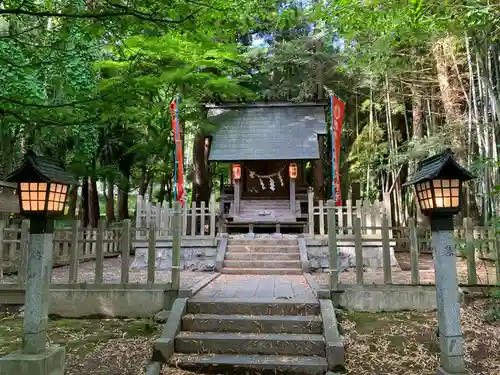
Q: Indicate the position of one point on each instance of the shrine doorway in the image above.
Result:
(266, 179)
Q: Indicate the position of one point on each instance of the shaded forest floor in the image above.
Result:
(383, 343)
(406, 343)
(93, 346)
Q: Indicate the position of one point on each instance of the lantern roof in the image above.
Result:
(440, 165)
(36, 168)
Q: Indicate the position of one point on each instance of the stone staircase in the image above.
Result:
(253, 336)
(262, 257)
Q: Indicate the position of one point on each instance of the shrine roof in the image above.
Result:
(266, 131)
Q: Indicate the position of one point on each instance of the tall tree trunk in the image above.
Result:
(94, 211)
(450, 94)
(110, 200)
(201, 182)
(417, 134)
(163, 192)
(144, 181)
(84, 214)
(73, 200)
(319, 176)
(124, 191)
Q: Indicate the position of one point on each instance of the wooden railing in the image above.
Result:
(90, 244)
(201, 220)
(196, 220)
(477, 247)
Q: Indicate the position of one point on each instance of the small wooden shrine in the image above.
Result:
(269, 146)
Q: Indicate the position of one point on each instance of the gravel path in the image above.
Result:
(112, 274)
(485, 272)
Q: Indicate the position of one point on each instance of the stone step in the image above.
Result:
(267, 264)
(262, 271)
(258, 306)
(265, 203)
(262, 248)
(261, 242)
(250, 364)
(252, 323)
(250, 343)
(261, 256)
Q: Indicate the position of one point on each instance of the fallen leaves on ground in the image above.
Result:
(406, 343)
(381, 343)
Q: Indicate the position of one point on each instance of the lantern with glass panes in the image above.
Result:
(438, 184)
(292, 170)
(236, 172)
(42, 185)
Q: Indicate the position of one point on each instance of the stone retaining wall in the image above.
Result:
(317, 253)
(192, 258)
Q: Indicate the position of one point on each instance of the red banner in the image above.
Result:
(178, 153)
(338, 117)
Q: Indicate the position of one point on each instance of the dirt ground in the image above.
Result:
(93, 346)
(381, 344)
(406, 343)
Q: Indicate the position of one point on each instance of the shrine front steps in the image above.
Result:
(228, 335)
(262, 257)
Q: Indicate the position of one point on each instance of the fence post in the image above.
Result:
(387, 208)
(202, 218)
(332, 246)
(212, 215)
(414, 256)
(73, 257)
(126, 243)
(184, 220)
(193, 218)
(321, 210)
(138, 211)
(470, 251)
(99, 251)
(176, 246)
(310, 211)
(166, 219)
(23, 252)
(386, 250)
(151, 254)
(358, 250)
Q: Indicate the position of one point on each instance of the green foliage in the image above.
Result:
(368, 155)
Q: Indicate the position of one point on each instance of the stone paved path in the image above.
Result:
(279, 287)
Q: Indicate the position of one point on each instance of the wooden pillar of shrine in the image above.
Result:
(319, 172)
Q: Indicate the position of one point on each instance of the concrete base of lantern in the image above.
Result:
(442, 371)
(49, 362)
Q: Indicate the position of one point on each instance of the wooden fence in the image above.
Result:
(196, 221)
(202, 220)
(478, 248)
(478, 251)
(370, 214)
(92, 244)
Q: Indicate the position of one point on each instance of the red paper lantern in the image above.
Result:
(292, 170)
(236, 171)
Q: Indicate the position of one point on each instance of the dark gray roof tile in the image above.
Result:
(266, 133)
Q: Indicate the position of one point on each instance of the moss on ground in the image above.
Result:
(96, 346)
(406, 342)
(382, 343)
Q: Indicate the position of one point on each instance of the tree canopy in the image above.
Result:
(90, 82)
